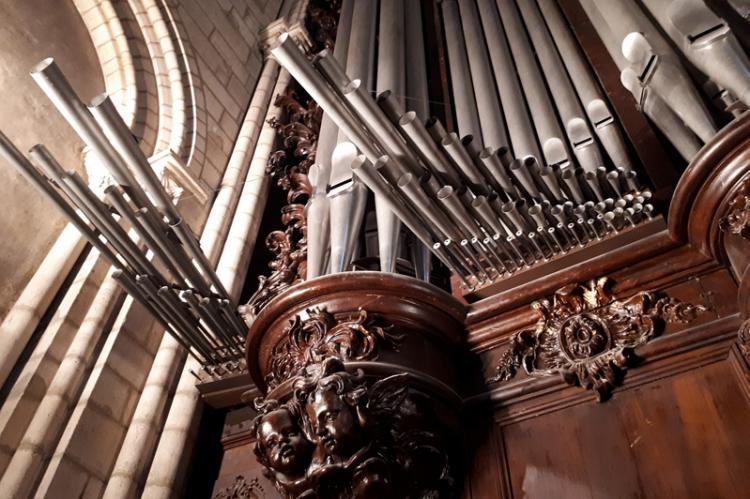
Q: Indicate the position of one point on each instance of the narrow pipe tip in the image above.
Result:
(352, 86)
(384, 95)
(381, 161)
(485, 153)
(445, 192)
(279, 41)
(535, 210)
(467, 139)
(449, 139)
(478, 201)
(405, 179)
(42, 65)
(407, 118)
(358, 162)
(99, 100)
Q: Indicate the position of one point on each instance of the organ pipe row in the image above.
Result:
(189, 300)
(484, 213)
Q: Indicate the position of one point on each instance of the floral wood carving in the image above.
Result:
(289, 165)
(339, 437)
(737, 219)
(309, 341)
(242, 489)
(587, 336)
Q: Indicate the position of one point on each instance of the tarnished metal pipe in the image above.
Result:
(476, 181)
(496, 170)
(569, 177)
(521, 171)
(493, 131)
(464, 100)
(435, 160)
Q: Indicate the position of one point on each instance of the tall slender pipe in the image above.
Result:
(517, 118)
(417, 93)
(591, 96)
(494, 133)
(464, 101)
(540, 105)
(580, 135)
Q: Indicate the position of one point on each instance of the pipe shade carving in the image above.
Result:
(737, 219)
(587, 337)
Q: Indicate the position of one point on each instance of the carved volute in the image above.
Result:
(361, 400)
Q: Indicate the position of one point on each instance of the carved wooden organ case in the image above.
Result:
(620, 369)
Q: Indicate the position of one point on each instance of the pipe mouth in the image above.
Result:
(405, 179)
(444, 192)
(358, 162)
(467, 139)
(529, 161)
(42, 65)
(613, 175)
(589, 175)
(279, 41)
(478, 201)
(556, 210)
(535, 210)
(99, 99)
(384, 95)
(381, 161)
(450, 139)
(352, 86)
(516, 164)
(406, 118)
(485, 153)
(546, 171)
(321, 55)
(567, 174)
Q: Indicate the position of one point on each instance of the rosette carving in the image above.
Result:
(309, 341)
(587, 337)
(242, 489)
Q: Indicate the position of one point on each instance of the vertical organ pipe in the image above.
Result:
(571, 113)
(463, 94)
(417, 93)
(542, 111)
(520, 127)
(600, 116)
(493, 132)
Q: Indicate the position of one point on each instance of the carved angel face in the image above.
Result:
(334, 422)
(285, 447)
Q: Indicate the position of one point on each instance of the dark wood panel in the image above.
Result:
(685, 436)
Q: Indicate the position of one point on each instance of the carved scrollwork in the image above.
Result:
(242, 489)
(339, 437)
(587, 337)
(308, 341)
(743, 339)
(737, 219)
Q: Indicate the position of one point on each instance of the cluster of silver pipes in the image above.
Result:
(483, 213)
(484, 203)
(659, 62)
(193, 306)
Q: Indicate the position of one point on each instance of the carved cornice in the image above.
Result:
(340, 437)
(308, 341)
(587, 337)
(737, 219)
(242, 489)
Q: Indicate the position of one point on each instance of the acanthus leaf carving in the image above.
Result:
(320, 335)
(587, 337)
(339, 437)
(737, 219)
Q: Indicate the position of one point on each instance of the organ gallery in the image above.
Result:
(375, 248)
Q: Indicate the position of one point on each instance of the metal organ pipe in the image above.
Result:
(578, 132)
(464, 101)
(417, 93)
(517, 118)
(583, 80)
(542, 110)
(493, 132)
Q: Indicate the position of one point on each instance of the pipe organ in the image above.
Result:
(537, 165)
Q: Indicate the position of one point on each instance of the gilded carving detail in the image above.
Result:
(320, 335)
(340, 437)
(743, 339)
(737, 219)
(587, 336)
